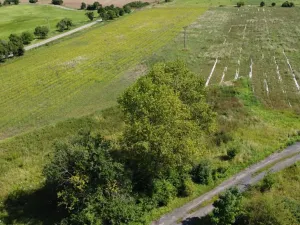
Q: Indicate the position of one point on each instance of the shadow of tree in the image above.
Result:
(197, 221)
(35, 207)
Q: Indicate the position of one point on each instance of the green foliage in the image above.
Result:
(163, 192)
(57, 2)
(41, 32)
(288, 4)
(240, 4)
(33, 1)
(90, 15)
(262, 4)
(273, 4)
(232, 151)
(27, 37)
(92, 186)
(267, 183)
(227, 207)
(202, 173)
(4, 50)
(222, 137)
(166, 114)
(64, 24)
(111, 14)
(127, 9)
(137, 4)
(16, 46)
(83, 5)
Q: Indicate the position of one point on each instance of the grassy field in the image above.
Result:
(227, 43)
(20, 18)
(54, 83)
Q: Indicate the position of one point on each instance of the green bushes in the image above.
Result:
(267, 183)
(15, 46)
(273, 4)
(288, 4)
(33, 1)
(83, 6)
(27, 37)
(137, 4)
(41, 32)
(202, 173)
(90, 15)
(232, 152)
(111, 12)
(64, 24)
(240, 4)
(262, 4)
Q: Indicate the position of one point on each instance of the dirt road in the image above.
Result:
(29, 47)
(242, 180)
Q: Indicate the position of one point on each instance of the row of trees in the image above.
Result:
(9, 2)
(115, 182)
(15, 46)
(262, 4)
(108, 12)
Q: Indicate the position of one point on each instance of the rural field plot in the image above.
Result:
(262, 44)
(72, 78)
(19, 18)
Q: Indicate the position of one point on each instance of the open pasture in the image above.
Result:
(20, 18)
(77, 76)
(262, 44)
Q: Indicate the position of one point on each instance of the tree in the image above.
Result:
(104, 15)
(202, 173)
(16, 2)
(33, 1)
(166, 114)
(273, 4)
(57, 2)
(127, 9)
(240, 4)
(227, 207)
(121, 12)
(262, 4)
(89, 183)
(16, 46)
(64, 24)
(4, 51)
(111, 14)
(90, 15)
(41, 32)
(27, 37)
(83, 6)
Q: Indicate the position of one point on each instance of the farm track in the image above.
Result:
(242, 180)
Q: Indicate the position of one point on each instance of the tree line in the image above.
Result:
(9, 2)
(262, 4)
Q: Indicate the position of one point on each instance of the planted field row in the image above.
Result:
(53, 83)
(259, 43)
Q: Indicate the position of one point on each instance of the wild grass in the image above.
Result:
(21, 18)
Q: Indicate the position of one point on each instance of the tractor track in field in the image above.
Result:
(251, 175)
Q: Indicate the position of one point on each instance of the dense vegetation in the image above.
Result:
(167, 117)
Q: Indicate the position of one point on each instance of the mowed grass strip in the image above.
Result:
(54, 83)
(19, 18)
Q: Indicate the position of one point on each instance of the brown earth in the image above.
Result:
(76, 3)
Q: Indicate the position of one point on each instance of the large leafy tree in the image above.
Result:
(167, 115)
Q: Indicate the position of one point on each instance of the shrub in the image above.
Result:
(111, 14)
(83, 6)
(90, 15)
(127, 9)
(267, 182)
(168, 0)
(288, 4)
(27, 37)
(240, 4)
(121, 12)
(57, 2)
(232, 152)
(137, 4)
(163, 192)
(15, 45)
(273, 4)
(187, 188)
(41, 31)
(262, 4)
(222, 137)
(4, 50)
(202, 173)
(33, 1)
(64, 24)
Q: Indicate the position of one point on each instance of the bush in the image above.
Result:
(240, 4)
(64, 24)
(33, 1)
(288, 4)
(163, 192)
(41, 31)
(267, 183)
(137, 4)
(57, 2)
(202, 173)
(27, 38)
(90, 15)
(187, 188)
(222, 137)
(111, 14)
(83, 6)
(127, 9)
(15, 45)
(262, 4)
(273, 4)
(232, 152)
